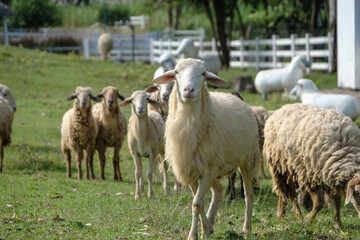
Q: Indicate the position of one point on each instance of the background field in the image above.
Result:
(37, 201)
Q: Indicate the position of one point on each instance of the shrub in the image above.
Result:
(33, 14)
(113, 14)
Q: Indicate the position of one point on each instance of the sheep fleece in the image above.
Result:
(312, 147)
(6, 119)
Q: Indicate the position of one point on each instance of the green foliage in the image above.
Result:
(110, 14)
(74, 16)
(33, 14)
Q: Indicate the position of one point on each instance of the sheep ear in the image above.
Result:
(154, 102)
(72, 97)
(126, 102)
(349, 194)
(96, 99)
(100, 95)
(152, 89)
(213, 79)
(120, 96)
(166, 77)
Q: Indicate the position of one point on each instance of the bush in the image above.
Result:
(33, 14)
(113, 14)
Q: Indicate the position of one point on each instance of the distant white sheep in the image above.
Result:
(310, 95)
(145, 139)
(112, 128)
(79, 130)
(6, 93)
(105, 45)
(208, 135)
(187, 49)
(276, 80)
(6, 120)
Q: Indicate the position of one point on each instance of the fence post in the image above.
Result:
(330, 57)
(274, 50)
(293, 46)
(242, 57)
(151, 47)
(307, 48)
(86, 47)
(257, 57)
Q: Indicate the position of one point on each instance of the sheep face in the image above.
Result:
(82, 97)
(6, 94)
(139, 101)
(165, 90)
(303, 85)
(110, 95)
(301, 61)
(167, 60)
(189, 75)
(353, 193)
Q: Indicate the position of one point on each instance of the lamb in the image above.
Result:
(187, 49)
(311, 148)
(105, 44)
(6, 120)
(275, 80)
(79, 130)
(208, 135)
(145, 139)
(6, 93)
(310, 95)
(112, 128)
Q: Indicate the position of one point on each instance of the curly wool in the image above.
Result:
(312, 147)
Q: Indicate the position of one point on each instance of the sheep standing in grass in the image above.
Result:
(6, 94)
(112, 128)
(310, 95)
(145, 139)
(208, 135)
(311, 148)
(105, 45)
(6, 120)
(276, 80)
(79, 130)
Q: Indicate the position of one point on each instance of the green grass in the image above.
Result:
(37, 201)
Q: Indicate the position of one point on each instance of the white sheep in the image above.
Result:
(145, 139)
(6, 93)
(105, 45)
(310, 95)
(208, 135)
(6, 120)
(276, 80)
(187, 49)
(112, 128)
(79, 130)
(311, 148)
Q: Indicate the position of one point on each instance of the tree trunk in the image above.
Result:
(333, 31)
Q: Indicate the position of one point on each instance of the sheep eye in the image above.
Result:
(176, 72)
(203, 74)
(5, 95)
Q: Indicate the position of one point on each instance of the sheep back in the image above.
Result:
(105, 44)
(312, 147)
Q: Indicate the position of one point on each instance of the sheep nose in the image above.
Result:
(189, 89)
(140, 109)
(165, 97)
(110, 102)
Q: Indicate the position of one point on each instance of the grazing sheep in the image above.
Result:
(208, 135)
(187, 49)
(6, 93)
(6, 120)
(310, 95)
(105, 44)
(311, 148)
(112, 128)
(79, 130)
(276, 80)
(145, 139)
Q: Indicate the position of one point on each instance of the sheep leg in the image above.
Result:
(79, 156)
(164, 167)
(150, 175)
(293, 198)
(249, 197)
(1, 154)
(263, 175)
(281, 207)
(337, 202)
(87, 163)
(317, 204)
(231, 186)
(102, 160)
(176, 185)
(91, 164)
(198, 209)
(217, 195)
(67, 154)
(116, 164)
(138, 175)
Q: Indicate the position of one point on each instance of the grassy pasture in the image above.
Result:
(37, 201)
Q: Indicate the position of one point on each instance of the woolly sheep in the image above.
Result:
(105, 44)
(275, 80)
(145, 139)
(208, 135)
(309, 148)
(310, 95)
(6, 120)
(112, 128)
(187, 49)
(6, 93)
(79, 130)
